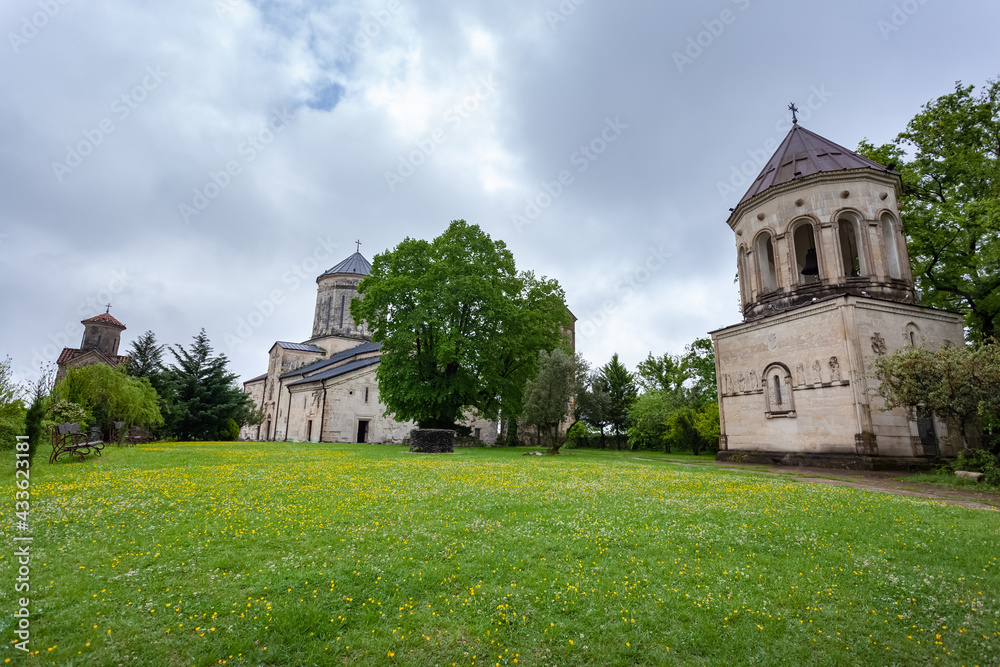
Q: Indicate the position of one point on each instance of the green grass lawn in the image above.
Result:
(281, 554)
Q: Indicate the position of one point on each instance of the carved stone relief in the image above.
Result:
(835, 374)
(878, 344)
(800, 375)
(754, 381)
(817, 372)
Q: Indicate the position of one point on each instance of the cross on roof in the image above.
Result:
(108, 309)
(795, 110)
(358, 248)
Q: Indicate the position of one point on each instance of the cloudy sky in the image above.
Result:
(197, 163)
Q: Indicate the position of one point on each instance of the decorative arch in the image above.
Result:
(850, 240)
(779, 397)
(890, 245)
(805, 242)
(767, 270)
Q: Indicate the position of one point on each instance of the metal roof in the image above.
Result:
(804, 153)
(336, 372)
(356, 263)
(300, 347)
(259, 378)
(364, 348)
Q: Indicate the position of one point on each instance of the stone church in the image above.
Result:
(324, 389)
(826, 288)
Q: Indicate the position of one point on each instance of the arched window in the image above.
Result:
(779, 400)
(852, 257)
(912, 336)
(891, 249)
(765, 263)
(806, 254)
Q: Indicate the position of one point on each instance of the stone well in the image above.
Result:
(432, 441)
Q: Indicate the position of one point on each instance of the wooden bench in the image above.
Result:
(66, 438)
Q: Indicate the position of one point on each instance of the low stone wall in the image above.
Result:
(432, 441)
(817, 460)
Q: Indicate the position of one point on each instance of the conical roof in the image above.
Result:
(356, 263)
(804, 153)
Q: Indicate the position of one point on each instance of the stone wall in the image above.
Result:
(800, 381)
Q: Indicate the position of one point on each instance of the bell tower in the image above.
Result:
(825, 290)
(335, 290)
(819, 221)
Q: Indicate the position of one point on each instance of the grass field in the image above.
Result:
(280, 554)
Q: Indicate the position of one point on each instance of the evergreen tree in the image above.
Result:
(622, 392)
(203, 393)
(145, 358)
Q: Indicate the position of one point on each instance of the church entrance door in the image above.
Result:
(363, 430)
(925, 429)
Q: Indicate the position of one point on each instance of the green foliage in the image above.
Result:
(679, 410)
(706, 422)
(107, 395)
(593, 403)
(12, 408)
(681, 433)
(459, 325)
(951, 202)
(62, 411)
(230, 432)
(977, 460)
(698, 363)
(579, 435)
(203, 395)
(957, 383)
(622, 391)
(648, 417)
(547, 396)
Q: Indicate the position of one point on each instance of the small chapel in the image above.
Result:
(826, 288)
(101, 338)
(324, 389)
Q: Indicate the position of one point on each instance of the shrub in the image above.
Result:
(978, 460)
(230, 431)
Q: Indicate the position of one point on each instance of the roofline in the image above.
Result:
(795, 184)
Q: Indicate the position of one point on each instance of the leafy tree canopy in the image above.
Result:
(949, 160)
(12, 408)
(460, 327)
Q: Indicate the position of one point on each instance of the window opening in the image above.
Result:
(806, 257)
(849, 251)
(765, 260)
(891, 250)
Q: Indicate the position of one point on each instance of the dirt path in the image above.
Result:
(883, 482)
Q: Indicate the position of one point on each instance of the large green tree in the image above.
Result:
(145, 358)
(593, 403)
(203, 395)
(460, 326)
(949, 160)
